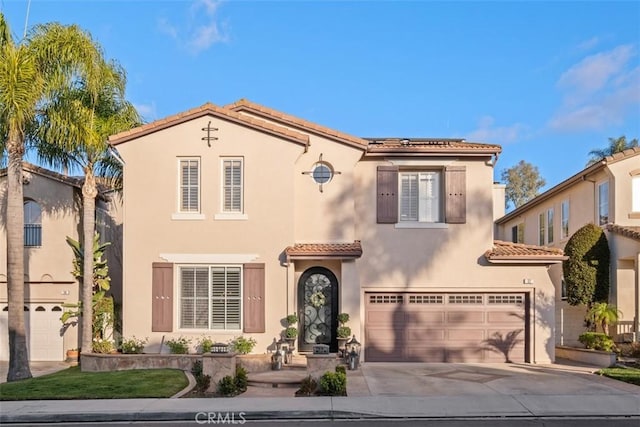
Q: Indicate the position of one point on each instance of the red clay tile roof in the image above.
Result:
(289, 120)
(429, 146)
(517, 252)
(330, 250)
(625, 230)
(213, 110)
(65, 179)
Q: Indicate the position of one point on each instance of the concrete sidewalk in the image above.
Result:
(380, 390)
(462, 406)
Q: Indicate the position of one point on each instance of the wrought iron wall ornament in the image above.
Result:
(209, 138)
(321, 173)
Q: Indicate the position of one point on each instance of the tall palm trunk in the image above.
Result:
(89, 193)
(18, 355)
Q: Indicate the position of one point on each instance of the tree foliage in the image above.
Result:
(616, 145)
(523, 183)
(586, 271)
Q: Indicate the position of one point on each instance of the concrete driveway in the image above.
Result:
(456, 379)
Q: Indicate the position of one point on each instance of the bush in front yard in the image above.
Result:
(597, 341)
(333, 384)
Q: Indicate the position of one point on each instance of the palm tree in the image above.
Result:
(96, 108)
(616, 145)
(51, 57)
(603, 314)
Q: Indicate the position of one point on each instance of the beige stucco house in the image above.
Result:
(52, 211)
(236, 216)
(606, 193)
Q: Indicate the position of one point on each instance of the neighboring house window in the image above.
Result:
(563, 289)
(517, 233)
(603, 203)
(101, 224)
(564, 220)
(635, 194)
(541, 228)
(420, 195)
(32, 224)
(232, 185)
(210, 297)
(189, 185)
(550, 226)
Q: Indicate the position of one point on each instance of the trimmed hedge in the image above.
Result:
(597, 341)
(586, 272)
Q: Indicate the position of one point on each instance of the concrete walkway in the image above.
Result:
(382, 390)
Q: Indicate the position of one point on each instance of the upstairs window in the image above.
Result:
(550, 226)
(189, 185)
(232, 186)
(635, 194)
(32, 224)
(541, 229)
(564, 220)
(420, 196)
(517, 233)
(603, 203)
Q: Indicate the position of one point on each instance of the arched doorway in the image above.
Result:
(318, 309)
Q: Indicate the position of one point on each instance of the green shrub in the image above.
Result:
(227, 386)
(179, 345)
(596, 341)
(586, 271)
(291, 332)
(242, 345)
(344, 332)
(205, 344)
(308, 387)
(333, 384)
(341, 369)
(343, 318)
(291, 319)
(241, 379)
(202, 381)
(133, 345)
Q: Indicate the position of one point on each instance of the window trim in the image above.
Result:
(542, 230)
(178, 310)
(550, 227)
(187, 214)
(32, 225)
(635, 196)
(440, 223)
(563, 219)
(231, 214)
(599, 204)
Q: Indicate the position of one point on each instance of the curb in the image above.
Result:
(237, 417)
(188, 388)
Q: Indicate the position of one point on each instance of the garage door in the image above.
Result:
(43, 326)
(445, 327)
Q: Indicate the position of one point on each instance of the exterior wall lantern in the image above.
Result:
(353, 353)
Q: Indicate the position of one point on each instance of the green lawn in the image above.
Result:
(73, 384)
(628, 375)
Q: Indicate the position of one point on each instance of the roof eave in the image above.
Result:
(413, 153)
(117, 140)
(323, 256)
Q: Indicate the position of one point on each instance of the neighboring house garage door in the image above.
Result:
(42, 322)
(445, 327)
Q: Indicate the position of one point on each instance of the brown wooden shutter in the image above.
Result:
(253, 298)
(162, 297)
(455, 195)
(387, 194)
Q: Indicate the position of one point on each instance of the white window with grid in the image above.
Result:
(189, 170)
(550, 225)
(420, 196)
(541, 228)
(232, 186)
(564, 220)
(210, 297)
(603, 203)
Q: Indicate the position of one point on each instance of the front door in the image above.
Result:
(318, 309)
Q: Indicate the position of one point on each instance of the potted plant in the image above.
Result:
(343, 331)
(291, 332)
(72, 356)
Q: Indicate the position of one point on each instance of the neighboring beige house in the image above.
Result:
(606, 193)
(52, 211)
(236, 216)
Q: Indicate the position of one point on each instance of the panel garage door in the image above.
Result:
(445, 327)
(43, 326)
